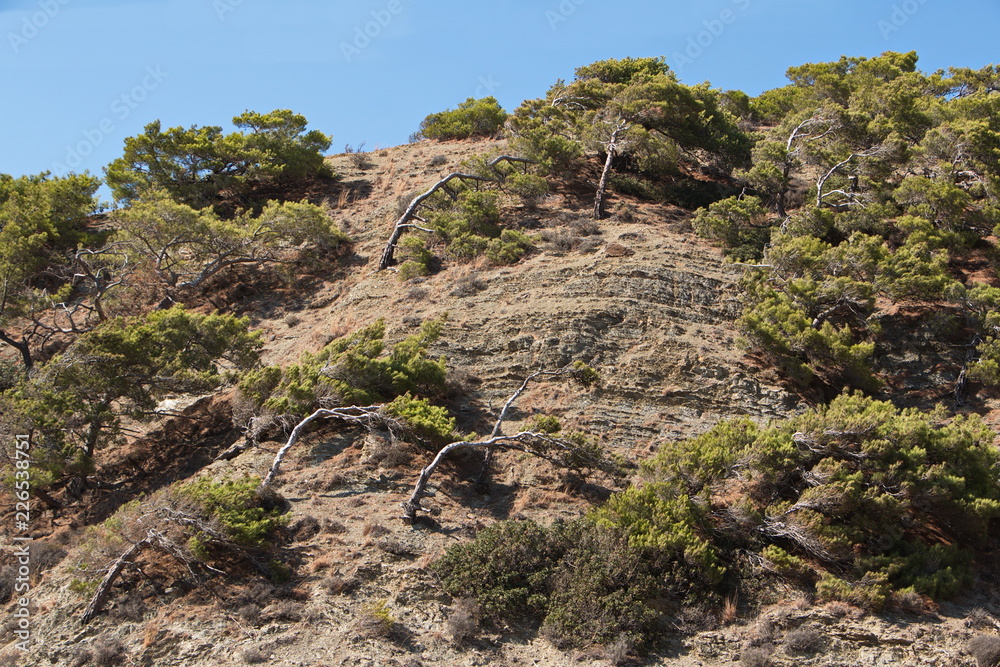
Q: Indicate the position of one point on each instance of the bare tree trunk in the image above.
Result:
(101, 594)
(495, 440)
(602, 185)
(411, 211)
(412, 505)
(365, 415)
(498, 426)
(49, 501)
(22, 347)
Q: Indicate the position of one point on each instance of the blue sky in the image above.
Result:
(79, 76)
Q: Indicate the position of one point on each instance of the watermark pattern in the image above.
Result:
(901, 15)
(562, 13)
(34, 23)
(713, 29)
(121, 108)
(223, 7)
(22, 542)
(487, 86)
(370, 31)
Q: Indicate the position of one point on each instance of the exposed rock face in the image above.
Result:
(658, 323)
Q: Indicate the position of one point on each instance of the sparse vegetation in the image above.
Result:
(859, 205)
(463, 621)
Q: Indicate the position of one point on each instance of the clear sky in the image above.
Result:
(79, 76)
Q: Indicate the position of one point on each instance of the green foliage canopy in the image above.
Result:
(473, 118)
(76, 402)
(200, 166)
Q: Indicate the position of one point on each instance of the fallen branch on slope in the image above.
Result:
(358, 415)
(560, 451)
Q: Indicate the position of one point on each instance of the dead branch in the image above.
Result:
(823, 178)
(410, 213)
(842, 304)
(101, 594)
(497, 427)
(354, 414)
(602, 185)
(776, 528)
(530, 442)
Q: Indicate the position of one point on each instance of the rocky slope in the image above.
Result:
(638, 297)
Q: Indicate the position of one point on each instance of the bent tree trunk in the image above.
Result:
(353, 414)
(22, 347)
(410, 213)
(602, 185)
(97, 602)
(412, 505)
(522, 441)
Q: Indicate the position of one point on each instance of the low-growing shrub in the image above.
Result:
(985, 649)
(376, 621)
(473, 118)
(356, 369)
(756, 656)
(806, 640)
(247, 517)
(509, 248)
(430, 422)
(464, 620)
(583, 584)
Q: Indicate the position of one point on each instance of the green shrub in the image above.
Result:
(280, 572)
(545, 424)
(785, 564)
(781, 326)
(473, 118)
(635, 186)
(509, 248)
(506, 569)
(862, 482)
(426, 420)
(530, 188)
(741, 224)
(246, 516)
(700, 461)
(672, 528)
(871, 592)
(416, 258)
(585, 585)
(468, 226)
(355, 369)
(868, 499)
(602, 589)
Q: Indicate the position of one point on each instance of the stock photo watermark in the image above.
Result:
(365, 34)
(34, 23)
(22, 540)
(121, 108)
(901, 15)
(562, 13)
(487, 86)
(223, 7)
(713, 29)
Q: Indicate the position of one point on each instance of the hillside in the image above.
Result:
(675, 463)
(656, 320)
